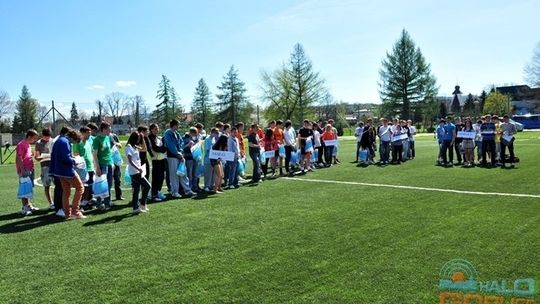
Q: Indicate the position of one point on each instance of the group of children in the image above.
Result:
(89, 161)
(488, 135)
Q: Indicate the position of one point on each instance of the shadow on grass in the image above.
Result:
(110, 220)
(30, 222)
(17, 215)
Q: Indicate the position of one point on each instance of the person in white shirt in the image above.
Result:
(137, 172)
(358, 134)
(385, 135)
(290, 144)
(412, 130)
(234, 147)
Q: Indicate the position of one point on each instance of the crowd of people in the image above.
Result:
(201, 163)
(194, 163)
(488, 135)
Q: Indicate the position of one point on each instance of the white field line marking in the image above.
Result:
(415, 188)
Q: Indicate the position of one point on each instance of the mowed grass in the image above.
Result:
(284, 241)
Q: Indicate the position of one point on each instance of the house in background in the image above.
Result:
(524, 98)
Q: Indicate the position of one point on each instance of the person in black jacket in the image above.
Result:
(367, 141)
(159, 161)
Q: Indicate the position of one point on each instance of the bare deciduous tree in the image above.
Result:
(6, 104)
(532, 69)
(117, 103)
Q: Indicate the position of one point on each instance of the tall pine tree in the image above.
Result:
(163, 113)
(469, 107)
(201, 107)
(405, 78)
(482, 101)
(233, 104)
(26, 112)
(74, 114)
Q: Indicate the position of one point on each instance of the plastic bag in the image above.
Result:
(196, 152)
(181, 170)
(26, 190)
(294, 158)
(127, 177)
(281, 150)
(100, 187)
(116, 157)
(309, 145)
(200, 170)
(240, 168)
(363, 155)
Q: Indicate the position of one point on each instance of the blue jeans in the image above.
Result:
(447, 145)
(256, 159)
(107, 170)
(233, 177)
(384, 150)
(191, 168)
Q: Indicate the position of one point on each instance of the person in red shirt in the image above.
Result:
(328, 134)
(280, 139)
(25, 166)
(270, 144)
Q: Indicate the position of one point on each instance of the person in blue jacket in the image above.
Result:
(173, 143)
(63, 166)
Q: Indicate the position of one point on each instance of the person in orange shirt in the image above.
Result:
(240, 127)
(279, 137)
(328, 134)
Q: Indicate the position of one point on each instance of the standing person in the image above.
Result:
(289, 137)
(136, 171)
(270, 144)
(209, 174)
(254, 152)
(448, 142)
(328, 134)
(234, 147)
(200, 131)
(405, 142)
(117, 170)
(334, 150)
(240, 129)
(63, 166)
(84, 150)
(488, 141)
(217, 164)
(507, 141)
(191, 139)
(174, 157)
(58, 192)
(43, 155)
(280, 140)
(458, 141)
(367, 140)
(397, 145)
(25, 166)
(102, 153)
(317, 144)
(439, 134)
(159, 162)
(385, 136)
(145, 152)
(468, 144)
(412, 131)
(358, 132)
(498, 135)
(305, 134)
(478, 139)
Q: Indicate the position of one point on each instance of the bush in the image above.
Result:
(430, 129)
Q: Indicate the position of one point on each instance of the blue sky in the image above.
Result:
(81, 50)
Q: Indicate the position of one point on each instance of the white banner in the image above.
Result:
(400, 137)
(466, 135)
(332, 142)
(269, 154)
(223, 155)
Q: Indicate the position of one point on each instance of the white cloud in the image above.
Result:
(96, 87)
(125, 83)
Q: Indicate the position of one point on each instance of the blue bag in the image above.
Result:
(127, 177)
(100, 186)
(294, 158)
(309, 145)
(363, 155)
(181, 170)
(282, 150)
(200, 170)
(197, 153)
(262, 157)
(26, 190)
(116, 157)
(240, 168)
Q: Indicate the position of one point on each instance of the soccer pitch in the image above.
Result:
(345, 234)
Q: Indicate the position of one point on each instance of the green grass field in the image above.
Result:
(285, 240)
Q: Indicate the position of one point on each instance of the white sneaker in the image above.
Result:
(25, 210)
(176, 195)
(137, 211)
(156, 199)
(144, 208)
(60, 213)
(51, 206)
(32, 208)
(206, 189)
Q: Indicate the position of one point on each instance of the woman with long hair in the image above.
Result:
(220, 145)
